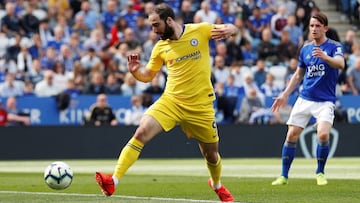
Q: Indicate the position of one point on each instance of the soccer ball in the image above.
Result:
(58, 175)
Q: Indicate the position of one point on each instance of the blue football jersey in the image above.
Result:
(320, 79)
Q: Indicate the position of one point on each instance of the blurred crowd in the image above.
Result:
(76, 47)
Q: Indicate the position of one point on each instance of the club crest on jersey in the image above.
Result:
(194, 42)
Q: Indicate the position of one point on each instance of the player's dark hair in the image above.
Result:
(164, 11)
(321, 17)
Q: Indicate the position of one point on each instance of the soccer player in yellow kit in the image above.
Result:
(187, 99)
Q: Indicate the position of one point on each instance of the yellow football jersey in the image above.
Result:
(188, 65)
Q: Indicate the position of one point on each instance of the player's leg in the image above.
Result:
(322, 151)
(214, 165)
(200, 124)
(211, 154)
(147, 129)
(324, 113)
(288, 154)
(298, 119)
(289, 149)
(153, 122)
(213, 161)
(323, 147)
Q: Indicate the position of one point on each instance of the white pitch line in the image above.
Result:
(113, 196)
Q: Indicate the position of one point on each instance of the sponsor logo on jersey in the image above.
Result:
(316, 70)
(194, 55)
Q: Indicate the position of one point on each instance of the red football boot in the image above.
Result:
(223, 193)
(106, 183)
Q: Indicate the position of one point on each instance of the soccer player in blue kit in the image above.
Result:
(319, 63)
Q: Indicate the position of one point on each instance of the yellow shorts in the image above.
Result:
(197, 121)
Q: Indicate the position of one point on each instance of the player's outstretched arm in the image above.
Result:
(140, 73)
(282, 99)
(223, 31)
(279, 101)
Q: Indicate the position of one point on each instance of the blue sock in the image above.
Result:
(322, 153)
(288, 154)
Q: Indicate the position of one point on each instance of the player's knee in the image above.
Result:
(323, 136)
(293, 134)
(211, 157)
(292, 137)
(141, 134)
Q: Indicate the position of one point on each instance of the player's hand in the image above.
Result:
(279, 101)
(133, 62)
(26, 120)
(318, 53)
(220, 32)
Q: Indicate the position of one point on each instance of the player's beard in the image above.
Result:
(168, 32)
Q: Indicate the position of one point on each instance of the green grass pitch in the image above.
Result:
(185, 180)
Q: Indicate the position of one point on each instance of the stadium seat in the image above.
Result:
(40, 14)
(245, 70)
(2, 13)
(279, 73)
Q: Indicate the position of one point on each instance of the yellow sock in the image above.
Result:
(128, 156)
(215, 171)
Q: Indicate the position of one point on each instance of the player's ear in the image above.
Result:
(326, 28)
(169, 20)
